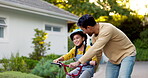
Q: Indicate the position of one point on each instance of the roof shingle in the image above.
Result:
(40, 4)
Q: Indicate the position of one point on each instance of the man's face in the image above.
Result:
(87, 30)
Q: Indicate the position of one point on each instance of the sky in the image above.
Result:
(137, 5)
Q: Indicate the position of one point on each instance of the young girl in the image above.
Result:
(80, 41)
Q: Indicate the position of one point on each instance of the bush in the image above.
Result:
(40, 46)
(14, 74)
(51, 56)
(47, 70)
(131, 25)
(144, 34)
(142, 46)
(30, 62)
(70, 44)
(142, 54)
(142, 42)
(15, 63)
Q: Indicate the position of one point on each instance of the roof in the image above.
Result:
(39, 7)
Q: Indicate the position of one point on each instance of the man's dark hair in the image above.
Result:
(86, 20)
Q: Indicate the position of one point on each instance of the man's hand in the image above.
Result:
(74, 64)
(93, 63)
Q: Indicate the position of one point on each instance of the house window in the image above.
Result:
(56, 29)
(52, 28)
(2, 27)
(48, 28)
(1, 32)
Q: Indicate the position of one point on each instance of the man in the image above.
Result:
(113, 42)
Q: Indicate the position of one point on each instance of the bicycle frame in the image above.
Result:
(64, 65)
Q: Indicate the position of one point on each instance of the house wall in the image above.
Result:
(20, 31)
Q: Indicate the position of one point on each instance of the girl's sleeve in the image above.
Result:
(69, 55)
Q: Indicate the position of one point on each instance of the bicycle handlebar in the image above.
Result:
(64, 65)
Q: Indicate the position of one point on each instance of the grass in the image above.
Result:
(15, 74)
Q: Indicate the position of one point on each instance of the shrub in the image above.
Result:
(144, 34)
(15, 63)
(45, 69)
(142, 54)
(70, 44)
(40, 46)
(51, 56)
(142, 42)
(142, 46)
(131, 25)
(14, 74)
(30, 62)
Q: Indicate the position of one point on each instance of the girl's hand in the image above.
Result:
(56, 60)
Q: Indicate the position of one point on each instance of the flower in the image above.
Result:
(46, 33)
(41, 42)
(45, 37)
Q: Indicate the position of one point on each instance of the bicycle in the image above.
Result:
(64, 65)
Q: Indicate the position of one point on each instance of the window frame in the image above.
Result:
(52, 28)
(5, 28)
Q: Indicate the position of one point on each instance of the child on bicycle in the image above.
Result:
(80, 41)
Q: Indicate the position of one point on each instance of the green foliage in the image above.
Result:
(142, 54)
(15, 63)
(130, 25)
(144, 35)
(101, 8)
(30, 62)
(51, 56)
(78, 7)
(115, 6)
(142, 46)
(47, 70)
(40, 46)
(70, 44)
(5, 64)
(142, 42)
(14, 74)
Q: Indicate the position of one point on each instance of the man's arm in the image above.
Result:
(103, 37)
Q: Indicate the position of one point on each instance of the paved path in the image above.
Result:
(140, 70)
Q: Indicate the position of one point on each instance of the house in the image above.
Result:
(19, 18)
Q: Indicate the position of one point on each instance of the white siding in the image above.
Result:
(20, 32)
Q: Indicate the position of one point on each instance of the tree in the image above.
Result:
(116, 6)
(103, 8)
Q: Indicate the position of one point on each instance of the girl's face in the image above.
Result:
(77, 39)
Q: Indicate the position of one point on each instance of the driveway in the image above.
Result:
(140, 70)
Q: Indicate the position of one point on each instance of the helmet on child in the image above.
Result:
(78, 31)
